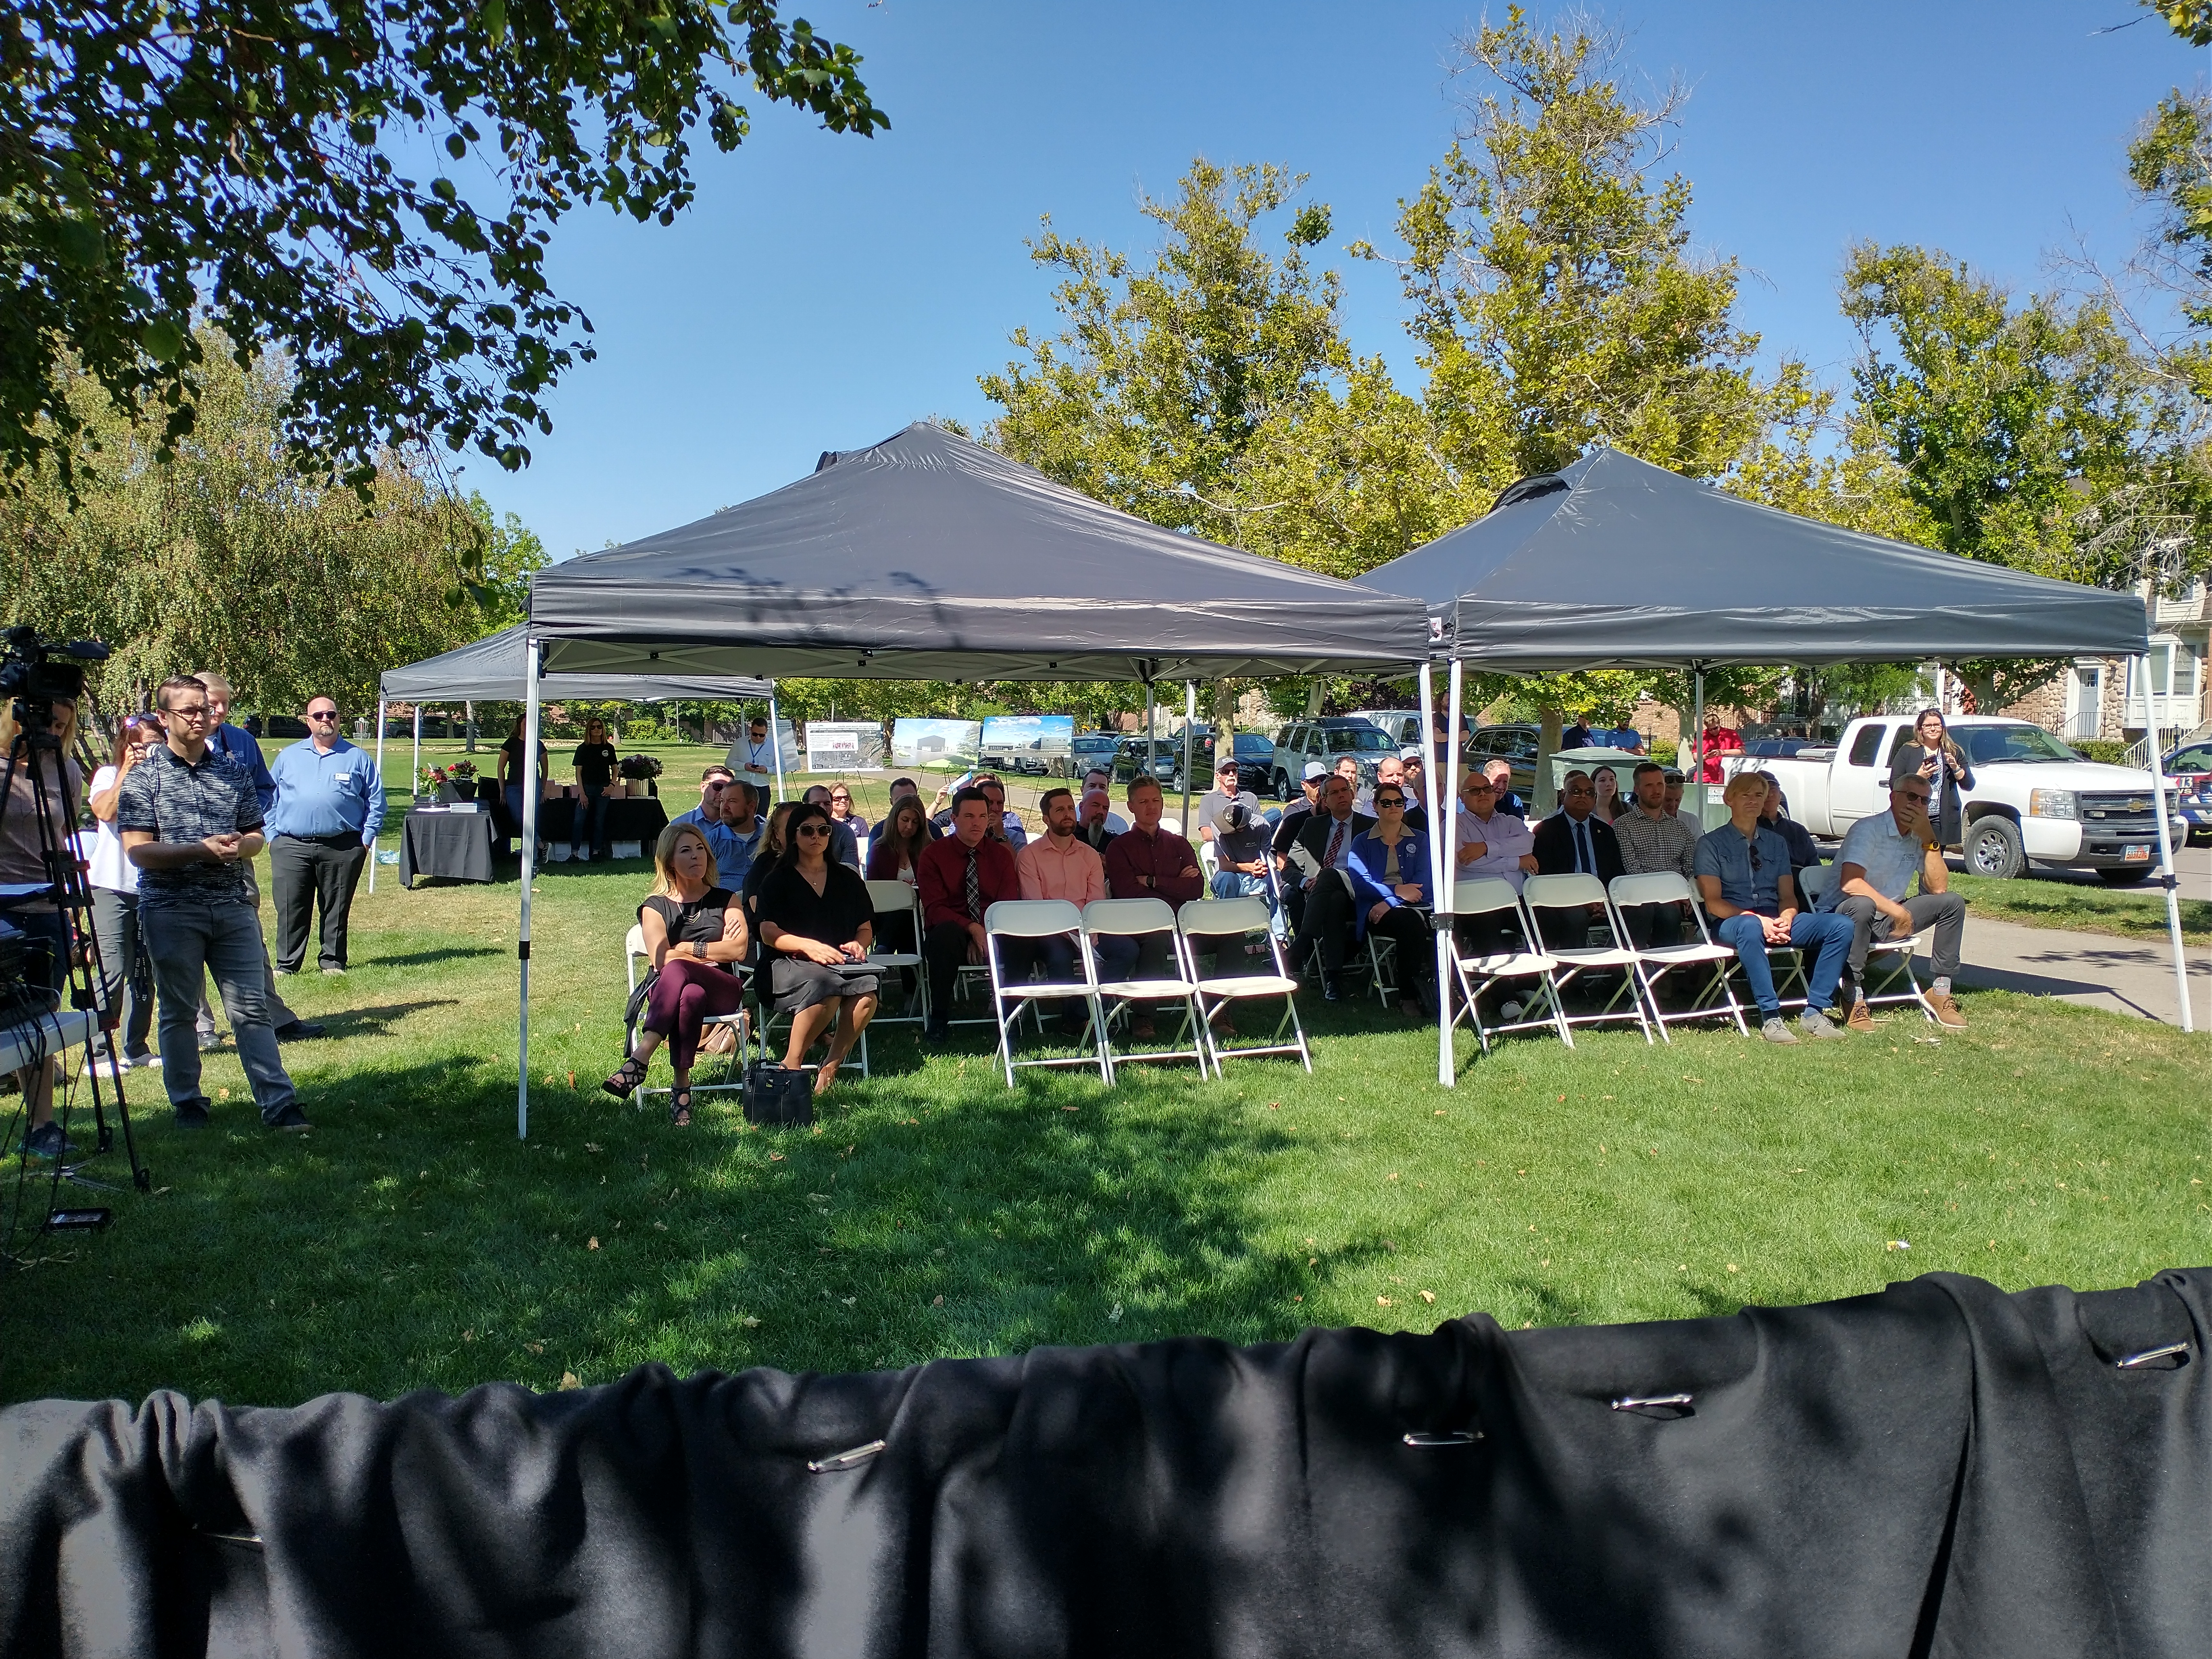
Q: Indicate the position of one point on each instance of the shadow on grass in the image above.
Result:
(412, 1240)
(427, 958)
(377, 1021)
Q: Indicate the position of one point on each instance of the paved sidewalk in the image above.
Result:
(2097, 970)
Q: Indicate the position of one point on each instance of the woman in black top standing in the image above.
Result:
(695, 932)
(511, 771)
(595, 763)
(815, 924)
(1935, 757)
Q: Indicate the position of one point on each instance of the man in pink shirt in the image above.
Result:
(1061, 865)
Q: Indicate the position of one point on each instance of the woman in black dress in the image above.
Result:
(816, 923)
(1935, 757)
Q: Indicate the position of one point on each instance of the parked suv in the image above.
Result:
(1514, 744)
(1404, 724)
(1327, 741)
(1255, 761)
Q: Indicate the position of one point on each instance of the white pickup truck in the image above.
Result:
(2034, 798)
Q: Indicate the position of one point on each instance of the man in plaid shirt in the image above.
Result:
(1653, 839)
(191, 821)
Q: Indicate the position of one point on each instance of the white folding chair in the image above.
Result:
(892, 899)
(634, 952)
(1584, 894)
(1492, 896)
(1892, 957)
(1222, 921)
(1209, 864)
(1654, 963)
(1043, 918)
(1142, 918)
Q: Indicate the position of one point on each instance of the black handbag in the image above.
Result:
(777, 1097)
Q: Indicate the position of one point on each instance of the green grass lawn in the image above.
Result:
(411, 1241)
(2123, 912)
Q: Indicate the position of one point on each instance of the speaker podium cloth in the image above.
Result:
(1939, 1470)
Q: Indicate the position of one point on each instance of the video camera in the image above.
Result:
(40, 672)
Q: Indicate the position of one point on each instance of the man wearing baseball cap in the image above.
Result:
(1286, 834)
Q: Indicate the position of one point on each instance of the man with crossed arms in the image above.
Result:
(1880, 855)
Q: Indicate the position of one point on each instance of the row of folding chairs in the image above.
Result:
(1200, 927)
(1604, 944)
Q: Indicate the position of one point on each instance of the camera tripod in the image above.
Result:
(54, 814)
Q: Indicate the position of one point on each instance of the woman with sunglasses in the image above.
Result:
(126, 989)
(695, 932)
(840, 812)
(815, 924)
(1389, 875)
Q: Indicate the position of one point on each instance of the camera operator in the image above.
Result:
(190, 820)
(22, 859)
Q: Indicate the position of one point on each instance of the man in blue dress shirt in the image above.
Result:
(329, 805)
(226, 739)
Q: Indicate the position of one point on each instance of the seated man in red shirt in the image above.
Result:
(1147, 863)
(956, 879)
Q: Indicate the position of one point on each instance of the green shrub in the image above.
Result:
(2110, 750)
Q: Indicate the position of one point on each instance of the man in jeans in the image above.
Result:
(1743, 876)
(190, 820)
(1880, 855)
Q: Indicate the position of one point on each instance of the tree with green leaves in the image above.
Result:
(219, 554)
(366, 191)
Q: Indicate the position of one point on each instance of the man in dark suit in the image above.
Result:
(1575, 841)
(1319, 854)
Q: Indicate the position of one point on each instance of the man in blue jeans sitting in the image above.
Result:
(1743, 876)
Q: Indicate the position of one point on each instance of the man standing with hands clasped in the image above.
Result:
(1880, 855)
(329, 805)
(190, 820)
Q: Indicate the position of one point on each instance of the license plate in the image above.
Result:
(2135, 854)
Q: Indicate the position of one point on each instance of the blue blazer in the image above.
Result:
(1364, 868)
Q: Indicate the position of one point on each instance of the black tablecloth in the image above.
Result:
(638, 818)
(455, 845)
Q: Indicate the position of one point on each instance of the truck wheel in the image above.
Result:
(1282, 786)
(1993, 848)
(2123, 876)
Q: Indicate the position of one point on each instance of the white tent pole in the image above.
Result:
(2168, 873)
(1440, 869)
(414, 778)
(1448, 1071)
(532, 788)
(379, 784)
(1697, 772)
(1147, 772)
(775, 743)
(1190, 713)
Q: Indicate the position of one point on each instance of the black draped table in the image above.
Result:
(639, 818)
(436, 840)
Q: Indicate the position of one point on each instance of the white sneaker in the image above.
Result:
(1777, 1030)
(1509, 1011)
(1815, 1023)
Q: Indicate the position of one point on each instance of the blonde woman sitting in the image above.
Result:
(695, 932)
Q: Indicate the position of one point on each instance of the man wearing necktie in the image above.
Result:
(1575, 841)
(1318, 859)
(956, 879)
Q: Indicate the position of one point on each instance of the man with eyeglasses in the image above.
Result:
(1880, 855)
(1494, 844)
(227, 739)
(1743, 876)
(712, 782)
(190, 820)
(330, 806)
(752, 758)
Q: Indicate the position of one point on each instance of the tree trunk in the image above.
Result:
(1545, 797)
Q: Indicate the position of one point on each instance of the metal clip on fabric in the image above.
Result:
(844, 1460)
(1455, 1437)
(2177, 1351)
(1664, 1405)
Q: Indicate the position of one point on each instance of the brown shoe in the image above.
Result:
(1946, 1010)
(1858, 1019)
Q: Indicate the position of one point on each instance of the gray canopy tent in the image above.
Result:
(928, 556)
(494, 670)
(1612, 562)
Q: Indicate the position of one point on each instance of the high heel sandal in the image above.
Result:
(679, 1107)
(626, 1079)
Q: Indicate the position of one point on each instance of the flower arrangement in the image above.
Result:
(462, 774)
(639, 766)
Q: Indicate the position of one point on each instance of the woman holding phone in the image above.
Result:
(1932, 755)
(126, 987)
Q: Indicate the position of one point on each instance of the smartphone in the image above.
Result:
(79, 1220)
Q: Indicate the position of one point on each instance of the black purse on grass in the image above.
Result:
(777, 1097)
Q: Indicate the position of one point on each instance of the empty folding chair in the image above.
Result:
(1889, 976)
(1715, 998)
(896, 904)
(1585, 895)
(1035, 919)
(740, 1023)
(1228, 923)
(1478, 970)
(1139, 919)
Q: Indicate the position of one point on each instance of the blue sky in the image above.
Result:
(823, 291)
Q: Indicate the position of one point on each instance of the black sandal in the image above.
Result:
(679, 1108)
(626, 1079)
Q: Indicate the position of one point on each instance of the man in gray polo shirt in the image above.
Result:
(190, 820)
(1875, 868)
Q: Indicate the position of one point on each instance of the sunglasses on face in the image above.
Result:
(322, 713)
(1389, 800)
(816, 828)
(1914, 796)
(712, 784)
